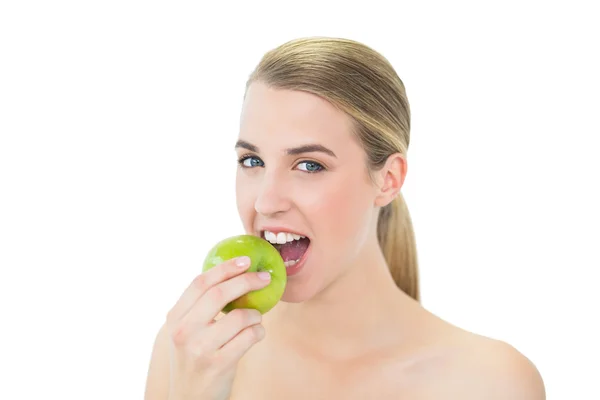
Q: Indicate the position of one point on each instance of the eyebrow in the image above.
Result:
(307, 148)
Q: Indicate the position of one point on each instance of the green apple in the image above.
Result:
(264, 257)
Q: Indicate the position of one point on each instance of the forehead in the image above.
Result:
(291, 117)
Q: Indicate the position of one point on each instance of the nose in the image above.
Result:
(273, 195)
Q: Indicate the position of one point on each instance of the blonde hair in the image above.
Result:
(362, 83)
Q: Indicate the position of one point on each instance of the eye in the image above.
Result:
(311, 166)
(250, 161)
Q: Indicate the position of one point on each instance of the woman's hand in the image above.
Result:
(204, 352)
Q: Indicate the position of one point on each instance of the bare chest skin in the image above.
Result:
(268, 372)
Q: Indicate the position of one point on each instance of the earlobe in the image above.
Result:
(392, 177)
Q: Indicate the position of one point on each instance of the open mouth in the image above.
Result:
(291, 246)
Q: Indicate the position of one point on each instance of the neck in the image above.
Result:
(351, 316)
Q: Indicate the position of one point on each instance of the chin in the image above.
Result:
(307, 285)
(304, 285)
(295, 292)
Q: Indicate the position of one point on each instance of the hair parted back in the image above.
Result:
(362, 83)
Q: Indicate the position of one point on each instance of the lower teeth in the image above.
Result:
(290, 263)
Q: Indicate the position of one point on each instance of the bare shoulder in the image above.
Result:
(492, 369)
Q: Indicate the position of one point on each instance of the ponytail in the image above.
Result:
(397, 240)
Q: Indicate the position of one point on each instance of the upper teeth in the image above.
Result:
(281, 237)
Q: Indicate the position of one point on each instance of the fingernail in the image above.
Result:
(242, 261)
(265, 276)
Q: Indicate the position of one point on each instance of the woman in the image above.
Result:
(322, 150)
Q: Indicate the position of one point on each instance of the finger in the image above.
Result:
(233, 350)
(203, 282)
(217, 297)
(231, 325)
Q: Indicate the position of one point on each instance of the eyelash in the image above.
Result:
(321, 168)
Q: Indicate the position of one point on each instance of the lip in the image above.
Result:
(294, 269)
(277, 229)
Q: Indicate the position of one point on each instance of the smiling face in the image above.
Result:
(303, 171)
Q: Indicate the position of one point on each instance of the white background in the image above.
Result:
(117, 125)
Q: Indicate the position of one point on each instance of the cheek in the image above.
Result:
(244, 201)
(339, 213)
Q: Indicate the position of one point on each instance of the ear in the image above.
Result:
(390, 179)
